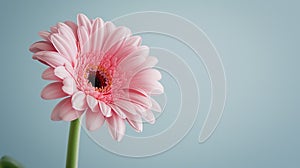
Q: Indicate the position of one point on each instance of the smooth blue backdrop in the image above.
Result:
(258, 42)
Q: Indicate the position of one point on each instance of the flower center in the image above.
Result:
(99, 78)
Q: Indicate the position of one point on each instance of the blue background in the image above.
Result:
(258, 42)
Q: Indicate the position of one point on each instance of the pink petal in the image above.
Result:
(125, 105)
(41, 46)
(70, 69)
(148, 116)
(61, 72)
(116, 127)
(67, 32)
(64, 111)
(74, 27)
(53, 91)
(50, 58)
(153, 87)
(135, 122)
(117, 47)
(134, 96)
(79, 101)
(157, 88)
(70, 114)
(84, 21)
(63, 46)
(97, 35)
(117, 36)
(94, 120)
(108, 28)
(134, 59)
(69, 86)
(134, 41)
(48, 74)
(45, 35)
(147, 75)
(53, 29)
(149, 62)
(105, 109)
(118, 111)
(155, 105)
(123, 53)
(140, 108)
(92, 103)
(83, 37)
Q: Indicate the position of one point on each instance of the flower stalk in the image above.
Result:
(73, 144)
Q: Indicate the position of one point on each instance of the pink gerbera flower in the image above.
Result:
(99, 69)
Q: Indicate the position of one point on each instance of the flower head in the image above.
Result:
(99, 69)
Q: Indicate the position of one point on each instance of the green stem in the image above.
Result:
(73, 144)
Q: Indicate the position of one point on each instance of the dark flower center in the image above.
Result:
(98, 79)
